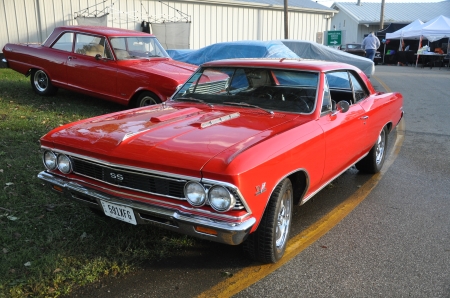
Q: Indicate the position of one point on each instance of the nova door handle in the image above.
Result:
(364, 117)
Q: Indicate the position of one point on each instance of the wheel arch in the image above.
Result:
(135, 96)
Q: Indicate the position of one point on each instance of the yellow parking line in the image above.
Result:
(250, 275)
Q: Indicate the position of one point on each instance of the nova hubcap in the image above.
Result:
(40, 80)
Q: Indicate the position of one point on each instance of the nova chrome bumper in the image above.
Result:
(5, 62)
(174, 220)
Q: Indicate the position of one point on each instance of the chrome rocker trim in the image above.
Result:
(174, 220)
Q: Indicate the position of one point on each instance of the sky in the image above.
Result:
(329, 3)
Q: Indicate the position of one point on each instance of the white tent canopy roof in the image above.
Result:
(399, 33)
(432, 30)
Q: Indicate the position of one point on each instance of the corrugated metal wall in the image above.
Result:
(33, 20)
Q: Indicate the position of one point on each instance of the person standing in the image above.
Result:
(370, 44)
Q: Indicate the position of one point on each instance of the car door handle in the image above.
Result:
(70, 57)
(364, 117)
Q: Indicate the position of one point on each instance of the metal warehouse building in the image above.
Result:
(209, 21)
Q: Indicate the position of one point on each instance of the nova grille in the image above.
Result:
(135, 180)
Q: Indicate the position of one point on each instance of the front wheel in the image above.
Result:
(374, 161)
(41, 84)
(268, 243)
(146, 98)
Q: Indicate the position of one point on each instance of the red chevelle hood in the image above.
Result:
(165, 67)
(166, 137)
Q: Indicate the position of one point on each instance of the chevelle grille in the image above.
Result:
(135, 180)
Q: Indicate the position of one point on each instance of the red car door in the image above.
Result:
(86, 72)
(345, 133)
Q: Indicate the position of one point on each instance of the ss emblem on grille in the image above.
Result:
(118, 177)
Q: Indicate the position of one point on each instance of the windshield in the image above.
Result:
(140, 47)
(270, 89)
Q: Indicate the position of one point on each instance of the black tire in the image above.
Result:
(145, 98)
(268, 243)
(41, 84)
(373, 162)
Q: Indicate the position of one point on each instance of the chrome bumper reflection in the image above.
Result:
(174, 220)
(5, 62)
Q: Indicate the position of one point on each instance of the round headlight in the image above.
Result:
(64, 164)
(220, 198)
(49, 160)
(195, 194)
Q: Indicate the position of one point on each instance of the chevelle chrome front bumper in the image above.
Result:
(174, 220)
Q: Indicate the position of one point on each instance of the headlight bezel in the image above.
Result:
(68, 162)
(55, 160)
(230, 198)
(201, 188)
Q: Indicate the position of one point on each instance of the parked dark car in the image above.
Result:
(356, 49)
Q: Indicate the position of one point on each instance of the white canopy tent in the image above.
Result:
(432, 30)
(400, 33)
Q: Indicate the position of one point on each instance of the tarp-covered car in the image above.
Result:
(233, 49)
(313, 50)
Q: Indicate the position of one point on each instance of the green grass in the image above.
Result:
(49, 245)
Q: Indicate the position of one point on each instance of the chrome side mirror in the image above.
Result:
(341, 107)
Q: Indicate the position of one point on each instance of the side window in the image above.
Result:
(338, 80)
(90, 45)
(358, 89)
(326, 102)
(64, 43)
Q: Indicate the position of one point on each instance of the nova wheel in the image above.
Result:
(374, 161)
(41, 84)
(146, 98)
(268, 243)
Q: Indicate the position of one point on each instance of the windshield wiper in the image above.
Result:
(193, 99)
(244, 104)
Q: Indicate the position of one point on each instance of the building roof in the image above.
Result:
(307, 4)
(369, 12)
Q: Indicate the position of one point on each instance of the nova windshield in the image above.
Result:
(269, 89)
(139, 47)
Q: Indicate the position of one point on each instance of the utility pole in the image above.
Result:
(286, 29)
(382, 15)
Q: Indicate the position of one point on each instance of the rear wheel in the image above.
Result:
(146, 98)
(374, 161)
(41, 84)
(268, 243)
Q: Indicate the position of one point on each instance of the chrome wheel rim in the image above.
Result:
(380, 147)
(41, 81)
(283, 220)
(147, 101)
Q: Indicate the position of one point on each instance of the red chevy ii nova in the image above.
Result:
(231, 153)
(124, 66)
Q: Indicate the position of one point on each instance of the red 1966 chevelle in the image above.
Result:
(128, 67)
(231, 153)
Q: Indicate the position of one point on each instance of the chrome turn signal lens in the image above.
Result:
(64, 164)
(195, 193)
(49, 159)
(221, 199)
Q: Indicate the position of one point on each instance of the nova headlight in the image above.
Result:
(49, 159)
(220, 198)
(64, 164)
(195, 193)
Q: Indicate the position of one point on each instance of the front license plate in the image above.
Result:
(119, 212)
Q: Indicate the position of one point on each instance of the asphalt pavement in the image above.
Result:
(395, 243)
